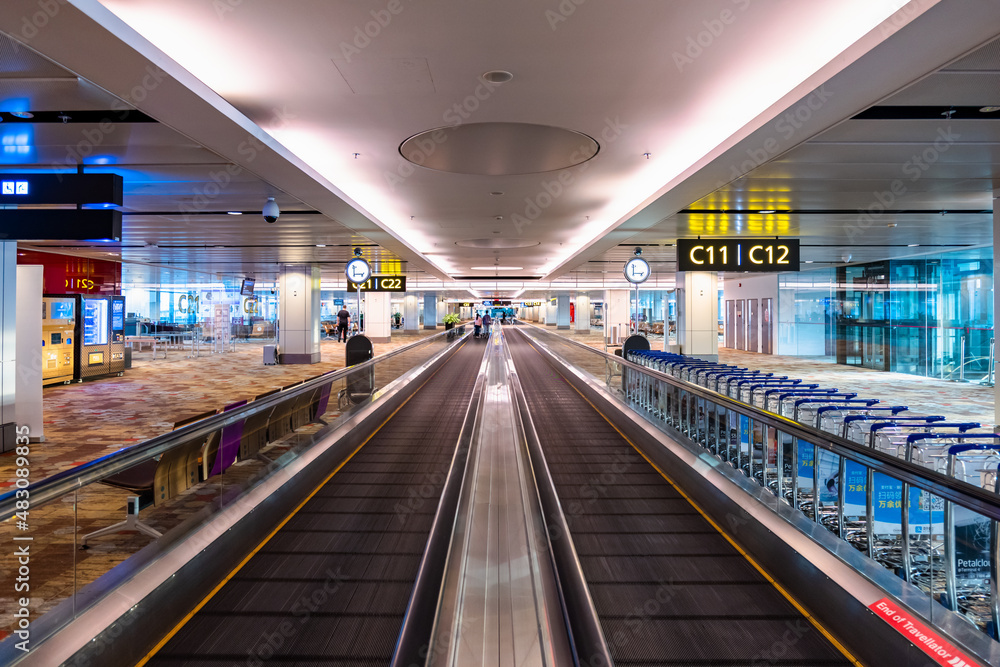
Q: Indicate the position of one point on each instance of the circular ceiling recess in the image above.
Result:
(497, 243)
(498, 149)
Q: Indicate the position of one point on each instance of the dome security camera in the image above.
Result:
(271, 210)
(637, 251)
(846, 257)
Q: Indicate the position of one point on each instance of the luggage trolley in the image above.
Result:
(970, 536)
(719, 381)
(789, 399)
(858, 428)
(893, 438)
(708, 378)
(775, 399)
(733, 385)
(831, 417)
(701, 375)
(747, 389)
(807, 409)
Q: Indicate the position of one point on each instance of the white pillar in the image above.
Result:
(698, 314)
(298, 314)
(562, 311)
(551, 313)
(378, 314)
(616, 315)
(430, 310)
(411, 312)
(28, 395)
(8, 350)
(583, 312)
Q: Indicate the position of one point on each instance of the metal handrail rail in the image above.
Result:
(56, 486)
(959, 492)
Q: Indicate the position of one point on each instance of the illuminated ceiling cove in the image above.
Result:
(521, 144)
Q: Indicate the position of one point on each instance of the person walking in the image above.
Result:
(487, 321)
(478, 325)
(343, 321)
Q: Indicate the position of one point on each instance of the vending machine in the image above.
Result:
(117, 334)
(58, 339)
(98, 339)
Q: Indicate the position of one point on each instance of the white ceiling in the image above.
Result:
(275, 99)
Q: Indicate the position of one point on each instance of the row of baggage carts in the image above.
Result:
(947, 553)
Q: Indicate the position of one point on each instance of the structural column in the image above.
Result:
(583, 312)
(551, 313)
(562, 311)
(378, 316)
(616, 316)
(8, 351)
(298, 314)
(411, 312)
(698, 314)
(430, 310)
(29, 358)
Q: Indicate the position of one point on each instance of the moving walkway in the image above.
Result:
(629, 539)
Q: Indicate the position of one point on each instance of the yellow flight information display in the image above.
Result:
(759, 255)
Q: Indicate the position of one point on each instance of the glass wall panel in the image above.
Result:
(929, 315)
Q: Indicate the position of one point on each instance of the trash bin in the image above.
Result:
(361, 383)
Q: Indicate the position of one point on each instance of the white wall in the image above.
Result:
(28, 402)
(755, 287)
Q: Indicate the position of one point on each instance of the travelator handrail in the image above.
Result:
(59, 484)
(959, 492)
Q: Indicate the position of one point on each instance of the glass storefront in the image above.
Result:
(930, 315)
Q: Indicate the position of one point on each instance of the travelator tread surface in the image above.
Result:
(668, 588)
(331, 587)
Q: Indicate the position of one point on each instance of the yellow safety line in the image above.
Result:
(840, 647)
(267, 539)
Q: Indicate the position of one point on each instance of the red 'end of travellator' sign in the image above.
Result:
(943, 651)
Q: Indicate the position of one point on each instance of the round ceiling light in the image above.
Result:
(498, 149)
(497, 243)
(22, 114)
(497, 76)
(496, 268)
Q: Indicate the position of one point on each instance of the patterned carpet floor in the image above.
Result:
(955, 400)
